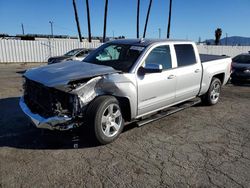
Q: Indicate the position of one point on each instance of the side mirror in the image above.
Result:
(151, 68)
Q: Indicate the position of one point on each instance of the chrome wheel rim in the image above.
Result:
(215, 93)
(111, 120)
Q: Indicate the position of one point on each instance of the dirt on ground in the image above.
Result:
(197, 147)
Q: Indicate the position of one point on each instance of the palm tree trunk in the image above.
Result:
(105, 20)
(146, 23)
(77, 21)
(88, 15)
(169, 18)
(138, 19)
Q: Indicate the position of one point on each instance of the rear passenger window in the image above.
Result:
(160, 55)
(185, 54)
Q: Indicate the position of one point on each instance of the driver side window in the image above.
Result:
(160, 55)
(112, 52)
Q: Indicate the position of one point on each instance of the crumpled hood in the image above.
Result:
(61, 74)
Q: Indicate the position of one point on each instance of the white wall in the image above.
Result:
(223, 50)
(14, 51)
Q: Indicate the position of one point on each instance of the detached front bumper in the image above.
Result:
(52, 123)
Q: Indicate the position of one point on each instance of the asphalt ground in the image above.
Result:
(197, 147)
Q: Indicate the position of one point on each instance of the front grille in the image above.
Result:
(47, 101)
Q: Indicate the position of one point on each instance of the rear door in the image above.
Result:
(156, 90)
(188, 72)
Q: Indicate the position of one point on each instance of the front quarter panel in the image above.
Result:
(117, 85)
(120, 85)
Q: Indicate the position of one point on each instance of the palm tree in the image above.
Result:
(218, 33)
(77, 21)
(138, 19)
(88, 15)
(169, 18)
(105, 20)
(146, 23)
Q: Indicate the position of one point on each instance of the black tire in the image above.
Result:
(207, 98)
(95, 115)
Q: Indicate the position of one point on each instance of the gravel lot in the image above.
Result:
(198, 147)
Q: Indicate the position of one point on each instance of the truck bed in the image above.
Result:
(207, 57)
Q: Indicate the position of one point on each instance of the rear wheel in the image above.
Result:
(213, 94)
(105, 117)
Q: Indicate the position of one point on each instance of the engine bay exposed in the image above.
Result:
(48, 101)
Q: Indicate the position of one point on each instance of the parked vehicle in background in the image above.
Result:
(241, 68)
(123, 81)
(76, 54)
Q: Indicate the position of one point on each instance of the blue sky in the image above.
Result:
(191, 19)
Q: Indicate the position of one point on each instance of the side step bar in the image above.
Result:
(169, 111)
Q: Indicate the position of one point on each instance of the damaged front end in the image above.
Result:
(52, 123)
(49, 107)
(86, 91)
(61, 108)
(56, 96)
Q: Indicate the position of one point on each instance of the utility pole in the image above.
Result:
(226, 39)
(88, 15)
(22, 28)
(169, 18)
(77, 21)
(138, 20)
(51, 28)
(105, 20)
(159, 33)
(146, 23)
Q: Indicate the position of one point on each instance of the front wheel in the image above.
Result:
(213, 94)
(105, 117)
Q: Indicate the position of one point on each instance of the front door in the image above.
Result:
(156, 90)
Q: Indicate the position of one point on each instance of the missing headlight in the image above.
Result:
(76, 105)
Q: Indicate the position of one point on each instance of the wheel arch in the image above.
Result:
(220, 76)
(125, 107)
(124, 103)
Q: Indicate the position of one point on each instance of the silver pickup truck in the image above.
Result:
(123, 81)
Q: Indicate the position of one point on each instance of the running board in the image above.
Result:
(169, 111)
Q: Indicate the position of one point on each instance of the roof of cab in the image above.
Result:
(144, 42)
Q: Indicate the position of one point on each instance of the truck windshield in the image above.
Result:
(245, 59)
(72, 52)
(119, 56)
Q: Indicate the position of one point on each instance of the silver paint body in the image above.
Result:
(146, 94)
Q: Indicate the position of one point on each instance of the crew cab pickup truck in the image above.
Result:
(122, 81)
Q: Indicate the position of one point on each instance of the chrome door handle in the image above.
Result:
(197, 70)
(171, 76)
